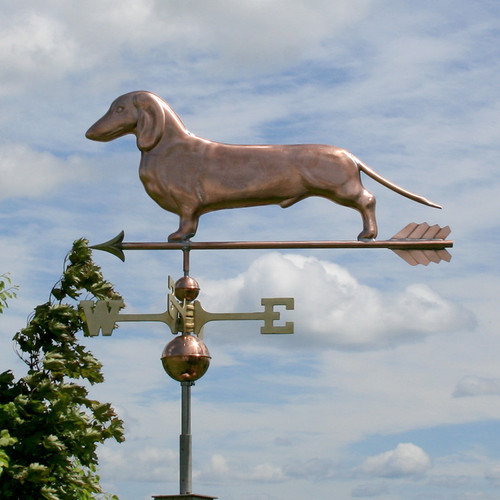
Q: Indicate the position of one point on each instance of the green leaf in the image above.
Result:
(6, 293)
(6, 439)
(36, 472)
(54, 362)
(6, 379)
(53, 443)
(4, 461)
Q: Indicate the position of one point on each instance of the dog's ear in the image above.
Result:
(150, 122)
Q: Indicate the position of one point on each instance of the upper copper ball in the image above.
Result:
(187, 288)
(186, 358)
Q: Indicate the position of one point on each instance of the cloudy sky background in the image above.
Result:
(390, 386)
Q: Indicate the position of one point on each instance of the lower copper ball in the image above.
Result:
(186, 358)
(187, 288)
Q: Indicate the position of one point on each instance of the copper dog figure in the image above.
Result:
(190, 176)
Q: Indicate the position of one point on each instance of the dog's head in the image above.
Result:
(140, 113)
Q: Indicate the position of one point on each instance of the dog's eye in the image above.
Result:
(119, 109)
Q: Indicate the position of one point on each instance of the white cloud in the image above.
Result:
(493, 473)
(370, 490)
(53, 41)
(332, 309)
(27, 173)
(264, 472)
(317, 468)
(143, 464)
(33, 43)
(405, 460)
(218, 467)
(477, 386)
(264, 34)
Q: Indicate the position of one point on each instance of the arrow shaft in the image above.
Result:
(260, 245)
(406, 239)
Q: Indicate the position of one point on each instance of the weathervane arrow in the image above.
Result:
(416, 244)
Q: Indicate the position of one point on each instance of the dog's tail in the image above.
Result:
(398, 189)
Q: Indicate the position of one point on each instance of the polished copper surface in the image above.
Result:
(186, 288)
(186, 358)
(413, 238)
(190, 176)
(269, 245)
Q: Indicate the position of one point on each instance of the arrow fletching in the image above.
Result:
(422, 232)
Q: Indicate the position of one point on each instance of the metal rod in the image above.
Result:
(116, 245)
(256, 245)
(185, 446)
(185, 260)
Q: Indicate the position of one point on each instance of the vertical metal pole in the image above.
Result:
(185, 453)
(185, 261)
(185, 448)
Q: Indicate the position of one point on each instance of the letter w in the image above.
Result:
(101, 315)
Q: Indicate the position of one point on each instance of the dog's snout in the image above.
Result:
(90, 134)
(115, 123)
(98, 132)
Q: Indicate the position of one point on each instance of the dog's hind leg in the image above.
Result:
(365, 204)
(354, 195)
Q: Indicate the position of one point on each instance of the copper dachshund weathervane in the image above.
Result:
(191, 176)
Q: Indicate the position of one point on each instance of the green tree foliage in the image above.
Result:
(7, 291)
(49, 428)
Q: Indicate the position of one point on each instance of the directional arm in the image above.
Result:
(269, 316)
(102, 316)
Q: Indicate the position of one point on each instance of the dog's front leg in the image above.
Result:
(187, 227)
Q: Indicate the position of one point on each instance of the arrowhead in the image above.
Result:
(113, 246)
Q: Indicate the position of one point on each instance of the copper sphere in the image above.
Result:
(186, 288)
(186, 358)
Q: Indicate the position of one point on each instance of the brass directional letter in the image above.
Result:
(270, 315)
(101, 315)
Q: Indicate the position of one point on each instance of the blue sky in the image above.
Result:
(390, 386)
